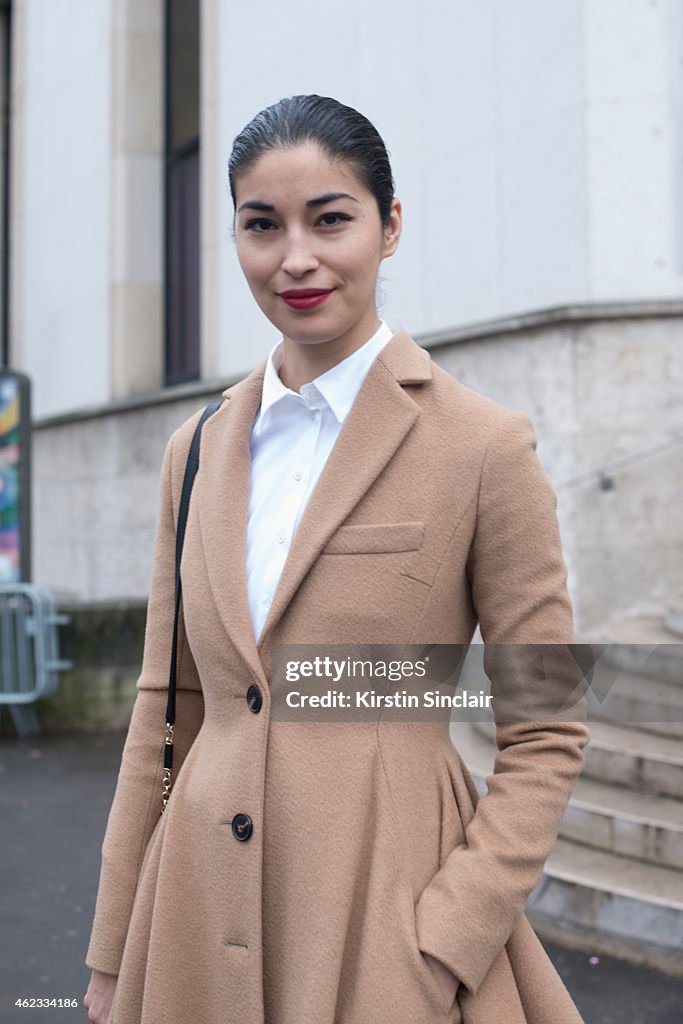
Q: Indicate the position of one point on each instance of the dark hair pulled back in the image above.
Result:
(340, 131)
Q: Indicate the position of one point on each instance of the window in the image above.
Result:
(182, 266)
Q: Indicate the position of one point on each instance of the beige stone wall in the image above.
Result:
(606, 397)
(96, 492)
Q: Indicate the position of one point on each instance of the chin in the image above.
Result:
(307, 329)
(312, 331)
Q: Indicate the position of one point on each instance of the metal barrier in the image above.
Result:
(29, 651)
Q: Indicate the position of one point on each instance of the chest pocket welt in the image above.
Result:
(375, 538)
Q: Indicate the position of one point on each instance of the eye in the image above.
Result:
(260, 225)
(336, 217)
(250, 225)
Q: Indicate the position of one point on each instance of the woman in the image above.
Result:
(349, 492)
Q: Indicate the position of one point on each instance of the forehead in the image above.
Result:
(297, 174)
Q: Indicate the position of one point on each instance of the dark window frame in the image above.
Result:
(182, 322)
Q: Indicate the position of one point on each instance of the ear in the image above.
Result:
(392, 232)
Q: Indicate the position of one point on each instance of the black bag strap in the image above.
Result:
(191, 468)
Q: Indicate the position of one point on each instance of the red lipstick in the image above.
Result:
(305, 298)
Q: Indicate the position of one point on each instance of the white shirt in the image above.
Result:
(291, 439)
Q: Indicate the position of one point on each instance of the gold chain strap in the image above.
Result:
(167, 771)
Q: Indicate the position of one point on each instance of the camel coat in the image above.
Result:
(369, 844)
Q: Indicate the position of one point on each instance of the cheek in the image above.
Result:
(359, 261)
(256, 265)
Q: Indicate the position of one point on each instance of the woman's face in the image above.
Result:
(290, 235)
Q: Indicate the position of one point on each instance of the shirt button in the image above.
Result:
(242, 827)
(312, 413)
(297, 476)
(280, 538)
(254, 698)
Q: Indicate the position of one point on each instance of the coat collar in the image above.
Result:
(382, 411)
(337, 386)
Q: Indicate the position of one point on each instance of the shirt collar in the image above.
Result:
(338, 386)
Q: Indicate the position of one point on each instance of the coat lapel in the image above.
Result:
(222, 487)
(379, 419)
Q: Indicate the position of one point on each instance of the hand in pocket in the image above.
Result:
(448, 981)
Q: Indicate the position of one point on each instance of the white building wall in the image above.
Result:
(61, 325)
(535, 146)
(537, 150)
(633, 87)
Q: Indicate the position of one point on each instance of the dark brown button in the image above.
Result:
(242, 827)
(254, 698)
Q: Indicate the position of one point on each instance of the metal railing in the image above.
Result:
(29, 651)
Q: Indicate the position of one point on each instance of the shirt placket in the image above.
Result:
(297, 476)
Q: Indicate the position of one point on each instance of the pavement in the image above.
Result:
(55, 795)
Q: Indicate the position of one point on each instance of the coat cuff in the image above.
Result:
(106, 962)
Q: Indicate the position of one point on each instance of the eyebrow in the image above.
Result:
(329, 197)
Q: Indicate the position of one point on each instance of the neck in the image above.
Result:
(302, 361)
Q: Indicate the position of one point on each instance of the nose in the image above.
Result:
(298, 257)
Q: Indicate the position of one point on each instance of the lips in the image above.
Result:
(305, 298)
(305, 293)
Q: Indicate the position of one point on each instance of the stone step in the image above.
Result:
(624, 822)
(618, 694)
(627, 757)
(638, 760)
(600, 814)
(603, 903)
(673, 615)
(643, 643)
(633, 699)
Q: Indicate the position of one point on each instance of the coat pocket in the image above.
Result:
(428, 981)
(375, 538)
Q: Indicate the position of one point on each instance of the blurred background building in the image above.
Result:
(538, 153)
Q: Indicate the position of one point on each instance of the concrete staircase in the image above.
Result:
(614, 881)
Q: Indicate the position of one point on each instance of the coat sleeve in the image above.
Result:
(468, 910)
(136, 805)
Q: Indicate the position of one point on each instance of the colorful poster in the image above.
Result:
(10, 561)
